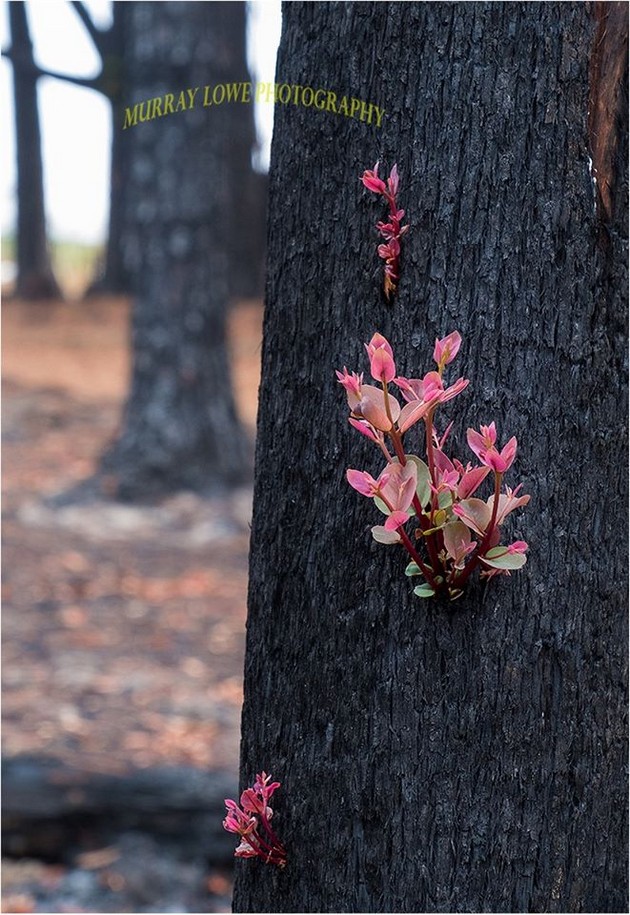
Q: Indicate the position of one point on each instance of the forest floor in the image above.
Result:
(123, 630)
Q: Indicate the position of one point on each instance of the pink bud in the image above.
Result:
(519, 546)
(446, 349)
(432, 386)
(480, 442)
(508, 453)
(483, 444)
(378, 340)
(500, 462)
(389, 251)
(352, 384)
(381, 359)
(393, 180)
(382, 366)
(372, 182)
(363, 482)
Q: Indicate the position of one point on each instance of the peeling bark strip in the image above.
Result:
(609, 61)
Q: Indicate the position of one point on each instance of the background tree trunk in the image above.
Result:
(246, 253)
(442, 757)
(35, 279)
(180, 427)
(245, 241)
(110, 45)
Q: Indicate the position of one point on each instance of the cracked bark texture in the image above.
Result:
(433, 757)
(180, 428)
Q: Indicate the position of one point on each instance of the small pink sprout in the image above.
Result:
(519, 546)
(446, 349)
(391, 231)
(381, 359)
(352, 383)
(372, 182)
(395, 487)
(247, 819)
(483, 445)
(392, 181)
(365, 483)
(503, 560)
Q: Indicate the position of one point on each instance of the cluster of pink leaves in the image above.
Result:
(391, 231)
(251, 820)
(454, 530)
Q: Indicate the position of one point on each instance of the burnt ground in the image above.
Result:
(123, 638)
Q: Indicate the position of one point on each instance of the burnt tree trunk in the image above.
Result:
(459, 757)
(180, 427)
(35, 279)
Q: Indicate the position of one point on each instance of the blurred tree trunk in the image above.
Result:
(110, 46)
(180, 427)
(464, 757)
(35, 279)
(247, 222)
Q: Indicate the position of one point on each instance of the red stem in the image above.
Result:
(461, 579)
(275, 853)
(274, 838)
(396, 438)
(428, 422)
(425, 524)
(428, 573)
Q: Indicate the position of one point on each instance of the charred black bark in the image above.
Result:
(180, 427)
(35, 279)
(465, 757)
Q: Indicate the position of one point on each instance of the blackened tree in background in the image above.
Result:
(180, 427)
(466, 756)
(35, 279)
(246, 239)
(110, 46)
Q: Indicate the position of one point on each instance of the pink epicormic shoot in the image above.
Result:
(251, 820)
(455, 532)
(391, 230)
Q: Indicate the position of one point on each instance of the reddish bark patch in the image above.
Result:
(609, 63)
